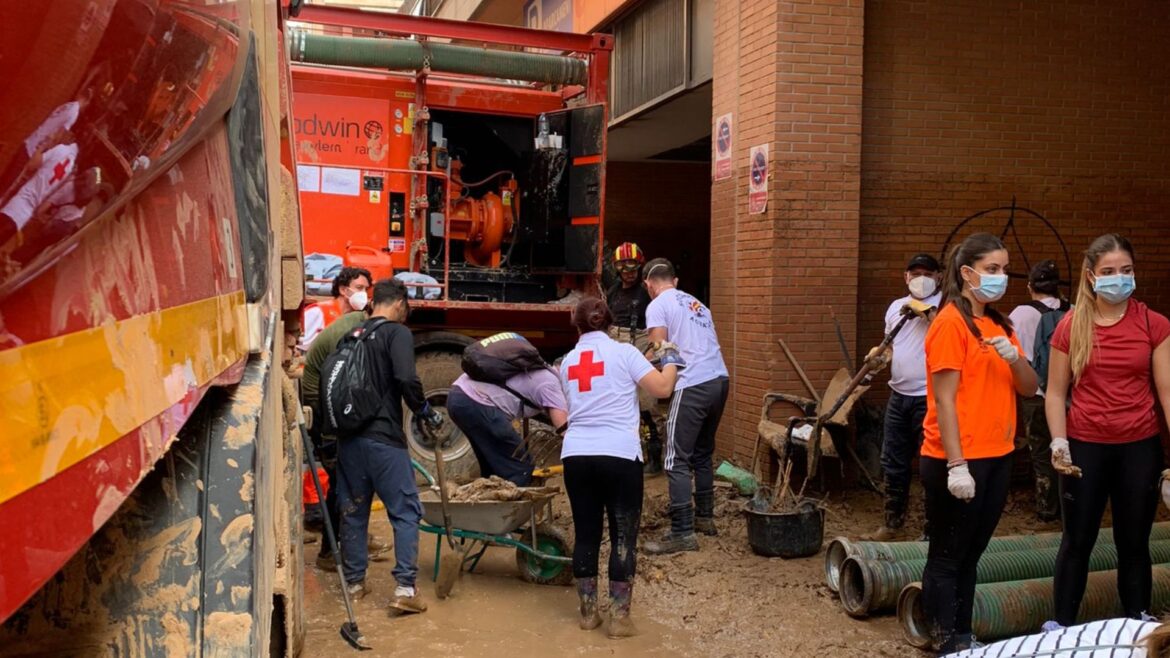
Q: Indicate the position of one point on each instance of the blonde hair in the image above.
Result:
(1157, 643)
(1081, 337)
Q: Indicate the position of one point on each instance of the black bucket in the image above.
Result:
(786, 534)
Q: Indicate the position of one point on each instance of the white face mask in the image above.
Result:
(358, 300)
(922, 287)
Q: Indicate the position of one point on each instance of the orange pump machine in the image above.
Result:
(482, 223)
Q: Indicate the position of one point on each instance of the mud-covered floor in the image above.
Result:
(722, 601)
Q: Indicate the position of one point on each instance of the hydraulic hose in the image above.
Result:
(871, 586)
(1020, 607)
(841, 548)
(413, 55)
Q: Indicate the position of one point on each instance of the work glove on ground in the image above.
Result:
(1164, 485)
(960, 483)
(1003, 346)
(1062, 458)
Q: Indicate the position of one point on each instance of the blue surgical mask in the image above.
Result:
(991, 286)
(1115, 288)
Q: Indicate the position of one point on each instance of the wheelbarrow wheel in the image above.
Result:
(550, 540)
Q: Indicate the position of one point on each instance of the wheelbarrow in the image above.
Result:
(543, 551)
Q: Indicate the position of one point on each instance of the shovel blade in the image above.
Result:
(450, 568)
(351, 634)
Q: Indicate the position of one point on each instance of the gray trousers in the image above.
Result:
(694, 417)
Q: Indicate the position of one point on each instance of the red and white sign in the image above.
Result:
(723, 141)
(758, 179)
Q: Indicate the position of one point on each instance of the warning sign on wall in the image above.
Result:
(723, 147)
(758, 181)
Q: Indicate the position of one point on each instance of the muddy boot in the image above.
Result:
(653, 447)
(357, 590)
(618, 624)
(326, 562)
(587, 593)
(406, 601)
(681, 536)
(705, 513)
(377, 551)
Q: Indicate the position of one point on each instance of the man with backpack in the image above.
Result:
(1035, 322)
(364, 384)
(504, 379)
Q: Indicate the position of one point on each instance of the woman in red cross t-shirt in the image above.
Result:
(1112, 352)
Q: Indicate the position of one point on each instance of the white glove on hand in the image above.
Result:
(1003, 346)
(1164, 485)
(960, 483)
(1062, 458)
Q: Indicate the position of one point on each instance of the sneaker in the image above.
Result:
(406, 601)
(672, 543)
(357, 590)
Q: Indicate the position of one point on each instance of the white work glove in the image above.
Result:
(1062, 458)
(960, 483)
(1003, 346)
(1164, 485)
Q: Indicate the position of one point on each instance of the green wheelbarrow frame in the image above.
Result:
(488, 540)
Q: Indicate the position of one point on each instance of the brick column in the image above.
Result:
(791, 73)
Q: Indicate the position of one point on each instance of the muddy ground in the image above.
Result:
(722, 601)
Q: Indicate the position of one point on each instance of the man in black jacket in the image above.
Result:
(376, 459)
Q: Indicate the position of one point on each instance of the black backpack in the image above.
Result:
(498, 358)
(349, 398)
(1042, 346)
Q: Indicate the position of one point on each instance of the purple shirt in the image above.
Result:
(540, 386)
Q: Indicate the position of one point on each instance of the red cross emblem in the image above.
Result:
(59, 170)
(585, 371)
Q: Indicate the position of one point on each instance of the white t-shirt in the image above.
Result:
(908, 368)
(689, 325)
(600, 377)
(1110, 638)
(52, 182)
(62, 118)
(1026, 320)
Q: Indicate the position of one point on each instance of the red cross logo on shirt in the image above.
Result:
(585, 371)
(59, 171)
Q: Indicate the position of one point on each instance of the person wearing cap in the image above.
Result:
(627, 301)
(1031, 424)
(906, 409)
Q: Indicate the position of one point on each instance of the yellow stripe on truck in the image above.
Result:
(65, 398)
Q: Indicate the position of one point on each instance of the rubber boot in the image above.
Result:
(681, 536)
(587, 594)
(619, 624)
(705, 513)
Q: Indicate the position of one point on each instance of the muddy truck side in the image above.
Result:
(466, 158)
(150, 242)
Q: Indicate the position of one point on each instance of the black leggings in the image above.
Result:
(959, 533)
(599, 487)
(1126, 475)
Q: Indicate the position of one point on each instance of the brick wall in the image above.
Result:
(790, 72)
(664, 207)
(967, 104)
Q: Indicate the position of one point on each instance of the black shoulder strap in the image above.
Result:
(370, 325)
(1040, 306)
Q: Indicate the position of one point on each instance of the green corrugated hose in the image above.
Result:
(408, 54)
(1020, 607)
(871, 586)
(841, 548)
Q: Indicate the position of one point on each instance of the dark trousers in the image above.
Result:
(694, 417)
(901, 440)
(959, 533)
(602, 487)
(1032, 429)
(368, 466)
(1126, 475)
(492, 437)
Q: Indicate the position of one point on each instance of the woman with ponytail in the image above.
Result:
(976, 368)
(1112, 354)
(602, 455)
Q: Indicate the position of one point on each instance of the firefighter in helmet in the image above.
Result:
(627, 300)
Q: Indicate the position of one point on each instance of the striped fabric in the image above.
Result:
(1111, 638)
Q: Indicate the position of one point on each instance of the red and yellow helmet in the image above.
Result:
(628, 251)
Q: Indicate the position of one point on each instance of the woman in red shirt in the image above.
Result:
(976, 369)
(1114, 352)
